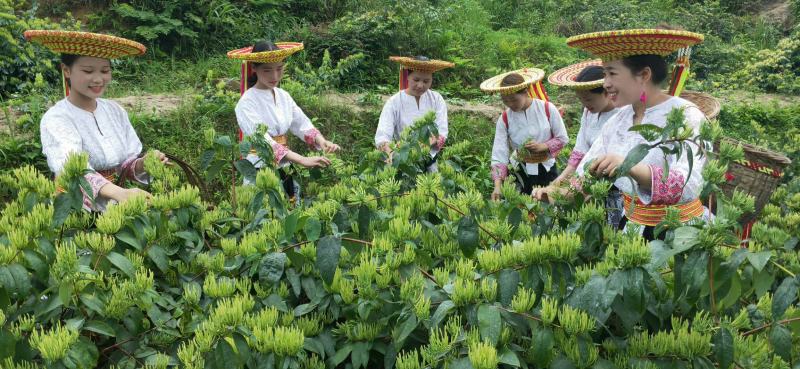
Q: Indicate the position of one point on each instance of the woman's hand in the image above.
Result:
(606, 165)
(329, 147)
(496, 194)
(546, 194)
(536, 147)
(315, 162)
(120, 194)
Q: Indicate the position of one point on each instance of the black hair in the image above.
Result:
(657, 64)
(589, 74)
(264, 45)
(513, 79)
(69, 59)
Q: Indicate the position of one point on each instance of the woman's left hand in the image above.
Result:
(161, 156)
(536, 147)
(330, 147)
(606, 165)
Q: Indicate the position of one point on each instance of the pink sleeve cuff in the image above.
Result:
(128, 170)
(665, 193)
(280, 151)
(96, 182)
(499, 171)
(554, 145)
(311, 136)
(575, 158)
(440, 142)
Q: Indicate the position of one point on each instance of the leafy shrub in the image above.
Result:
(22, 61)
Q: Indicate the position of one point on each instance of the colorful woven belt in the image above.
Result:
(651, 215)
(282, 139)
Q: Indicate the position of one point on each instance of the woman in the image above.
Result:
(85, 122)
(531, 127)
(414, 100)
(586, 78)
(264, 103)
(635, 68)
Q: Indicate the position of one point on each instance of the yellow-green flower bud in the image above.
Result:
(422, 307)
(523, 300)
(465, 292)
(489, 289)
(408, 360)
(483, 356)
(549, 310)
(575, 321)
(191, 293)
(53, 343)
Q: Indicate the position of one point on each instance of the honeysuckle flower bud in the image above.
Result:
(549, 310)
(439, 343)
(465, 292)
(489, 289)
(8, 254)
(422, 307)
(191, 293)
(483, 356)
(574, 321)
(53, 343)
(190, 356)
(266, 179)
(66, 264)
(96, 242)
(18, 239)
(2, 318)
(711, 131)
(465, 268)
(346, 291)
(311, 325)
(222, 287)
(582, 357)
(384, 278)
(75, 166)
(523, 300)
(408, 360)
(442, 276)
(630, 254)
(412, 287)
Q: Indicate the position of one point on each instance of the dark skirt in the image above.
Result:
(526, 182)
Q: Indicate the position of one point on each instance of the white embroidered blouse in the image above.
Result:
(591, 125)
(529, 124)
(615, 138)
(277, 110)
(402, 110)
(105, 134)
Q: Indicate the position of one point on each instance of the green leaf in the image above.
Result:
(759, 259)
(650, 132)
(684, 238)
(247, 169)
(340, 355)
(364, 217)
(159, 257)
(441, 313)
(82, 354)
(7, 344)
(402, 330)
(723, 348)
(508, 357)
(515, 217)
(784, 296)
(329, 249)
(99, 327)
(467, 235)
(290, 224)
(360, 354)
(271, 267)
(65, 293)
(312, 229)
(129, 238)
(489, 323)
(92, 303)
(701, 362)
(508, 283)
(634, 157)
(61, 209)
(781, 340)
(122, 263)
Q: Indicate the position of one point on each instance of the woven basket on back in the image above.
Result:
(757, 175)
(707, 103)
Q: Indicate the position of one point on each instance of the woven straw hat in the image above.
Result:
(274, 56)
(612, 45)
(423, 65)
(86, 43)
(494, 84)
(566, 77)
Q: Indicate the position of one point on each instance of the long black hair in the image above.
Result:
(264, 45)
(589, 74)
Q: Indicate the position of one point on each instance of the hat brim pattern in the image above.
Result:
(494, 84)
(612, 45)
(566, 77)
(274, 56)
(86, 43)
(430, 66)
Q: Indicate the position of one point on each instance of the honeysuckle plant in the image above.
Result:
(383, 266)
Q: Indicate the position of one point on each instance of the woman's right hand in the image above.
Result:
(315, 162)
(125, 194)
(496, 194)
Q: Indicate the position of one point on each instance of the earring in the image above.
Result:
(643, 97)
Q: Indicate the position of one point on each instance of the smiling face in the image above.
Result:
(269, 75)
(88, 76)
(592, 101)
(419, 82)
(622, 85)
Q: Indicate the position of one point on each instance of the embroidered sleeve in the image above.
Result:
(310, 137)
(558, 130)
(128, 170)
(96, 182)
(499, 171)
(554, 145)
(440, 142)
(575, 158)
(280, 152)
